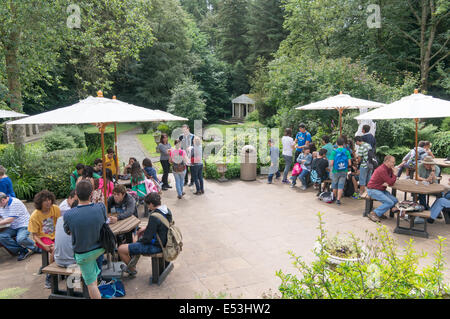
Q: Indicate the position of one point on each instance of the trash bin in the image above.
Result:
(248, 163)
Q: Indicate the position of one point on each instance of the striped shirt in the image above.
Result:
(15, 208)
(363, 152)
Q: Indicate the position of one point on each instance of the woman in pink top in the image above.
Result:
(178, 159)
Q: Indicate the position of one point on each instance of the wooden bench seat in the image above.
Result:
(160, 268)
(369, 205)
(411, 230)
(71, 273)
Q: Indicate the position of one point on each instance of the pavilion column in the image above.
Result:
(232, 109)
(246, 109)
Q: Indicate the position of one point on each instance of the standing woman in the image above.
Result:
(288, 147)
(197, 165)
(138, 180)
(164, 148)
(178, 158)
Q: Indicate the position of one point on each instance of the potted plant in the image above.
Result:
(341, 250)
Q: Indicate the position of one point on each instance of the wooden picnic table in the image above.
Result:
(410, 186)
(441, 162)
(125, 225)
(415, 187)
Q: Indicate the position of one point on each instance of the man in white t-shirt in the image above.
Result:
(288, 147)
(14, 212)
(69, 203)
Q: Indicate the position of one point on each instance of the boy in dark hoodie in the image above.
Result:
(147, 242)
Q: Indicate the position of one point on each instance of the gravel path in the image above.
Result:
(130, 146)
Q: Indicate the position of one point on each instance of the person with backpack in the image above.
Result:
(340, 162)
(409, 161)
(364, 170)
(383, 176)
(305, 160)
(302, 139)
(178, 158)
(151, 239)
(319, 169)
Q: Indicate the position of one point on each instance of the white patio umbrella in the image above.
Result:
(100, 112)
(340, 103)
(8, 114)
(414, 106)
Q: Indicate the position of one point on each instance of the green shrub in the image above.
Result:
(58, 140)
(441, 144)
(252, 116)
(164, 128)
(445, 126)
(383, 273)
(75, 133)
(93, 140)
(146, 126)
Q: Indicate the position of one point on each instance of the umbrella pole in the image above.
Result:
(340, 121)
(417, 155)
(115, 150)
(102, 131)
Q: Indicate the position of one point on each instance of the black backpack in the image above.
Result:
(372, 161)
(349, 188)
(107, 238)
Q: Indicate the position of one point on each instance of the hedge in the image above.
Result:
(93, 141)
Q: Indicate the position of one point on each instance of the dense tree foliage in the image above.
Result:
(286, 52)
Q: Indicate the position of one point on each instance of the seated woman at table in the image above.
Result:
(147, 243)
(439, 205)
(122, 204)
(149, 170)
(109, 182)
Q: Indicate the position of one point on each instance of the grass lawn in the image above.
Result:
(148, 142)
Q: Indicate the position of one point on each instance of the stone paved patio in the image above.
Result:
(235, 238)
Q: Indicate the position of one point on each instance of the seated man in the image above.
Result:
(42, 224)
(64, 254)
(427, 171)
(147, 244)
(69, 203)
(98, 166)
(383, 176)
(6, 183)
(84, 223)
(122, 204)
(438, 206)
(14, 212)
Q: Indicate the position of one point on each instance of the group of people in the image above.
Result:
(353, 168)
(185, 156)
(340, 162)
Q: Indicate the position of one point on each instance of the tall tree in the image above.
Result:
(265, 29)
(232, 28)
(147, 81)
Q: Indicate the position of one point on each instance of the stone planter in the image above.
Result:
(335, 260)
(221, 169)
(157, 137)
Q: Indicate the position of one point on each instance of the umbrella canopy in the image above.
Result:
(341, 102)
(414, 106)
(99, 110)
(8, 114)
